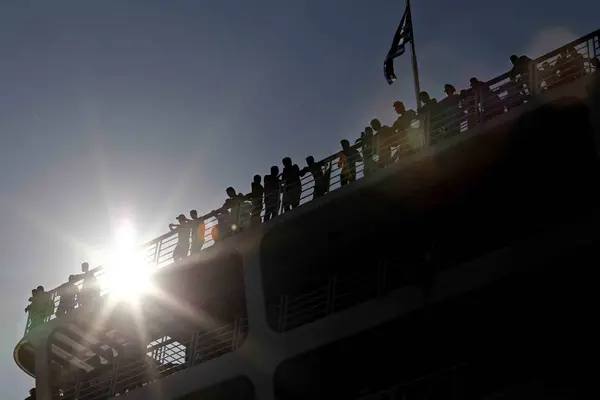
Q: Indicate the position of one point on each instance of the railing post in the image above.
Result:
(193, 344)
(426, 127)
(282, 313)
(533, 81)
(157, 254)
(113, 382)
(331, 284)
(235, 333)
(478, 104)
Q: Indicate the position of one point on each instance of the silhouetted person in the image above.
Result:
(40, 308)
(272, 185)
(571, 65)
(450, 112)
(430, 117)
(519, 75)
(256, 196)
(320, 177)
(183, 237)
(232, 210)
(198, 231)
(292, 187)
(30, 306)
(402, 125)
(548, 75)
(348, 158)
(468, 104)
(68, 296)
(383, 139)
(89, 294)
(366, 142)
(490, 102)
(595, 62)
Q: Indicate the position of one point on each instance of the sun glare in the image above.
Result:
(127, 273)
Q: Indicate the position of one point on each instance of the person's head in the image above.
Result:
(194, 214)
(368, 131)
(287, 162)
(375, 124)
(310, 160)
(181, 218)
(39, 289)
(274, 170)
(230, 192)
(424, 97)
(474, 82)
(85, 267)
(514, 59)
(257, 179)
(33, 292)
(345, 144)
(596, 63)
(399, 107)
(449, 89)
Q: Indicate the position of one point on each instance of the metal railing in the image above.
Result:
(473, 107)
(163, 357)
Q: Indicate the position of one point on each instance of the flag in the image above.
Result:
(404, 35)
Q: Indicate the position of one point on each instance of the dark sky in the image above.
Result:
(144, 109)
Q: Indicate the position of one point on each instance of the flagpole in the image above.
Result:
(415, 66)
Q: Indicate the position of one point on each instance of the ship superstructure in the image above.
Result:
(371, 289)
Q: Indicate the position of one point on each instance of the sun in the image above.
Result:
(127, 275)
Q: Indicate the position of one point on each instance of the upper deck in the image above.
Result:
(75, 347)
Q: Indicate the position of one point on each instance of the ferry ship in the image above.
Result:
(462, 270)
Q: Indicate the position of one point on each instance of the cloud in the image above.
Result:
(549, 39)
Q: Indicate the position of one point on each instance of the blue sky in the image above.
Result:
(145, 109)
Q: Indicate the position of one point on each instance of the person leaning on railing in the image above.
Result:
(40, 308)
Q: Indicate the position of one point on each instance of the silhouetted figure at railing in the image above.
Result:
(183, 237)
(519, 75)
(348, 158)
(198, 231)
(468, 105)
(89, 294)
(450, 112)
(595, 63)
(41, 306)
(571, 65)
(68, 296)
(366, 142)
(272, 186)
(402, 125)
(429, 116)
(490, 103)
(383, 138)
(549, 78)
(320, 177)
(256, 197)
(292, 187)
(235, 210)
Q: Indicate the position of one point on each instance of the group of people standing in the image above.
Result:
(41, 304)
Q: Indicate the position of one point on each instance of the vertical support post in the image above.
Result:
(533, 81)
(43, 376)
(415, 66)
(282, 313)
(193, 344)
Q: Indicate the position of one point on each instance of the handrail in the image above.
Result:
(491, 99)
